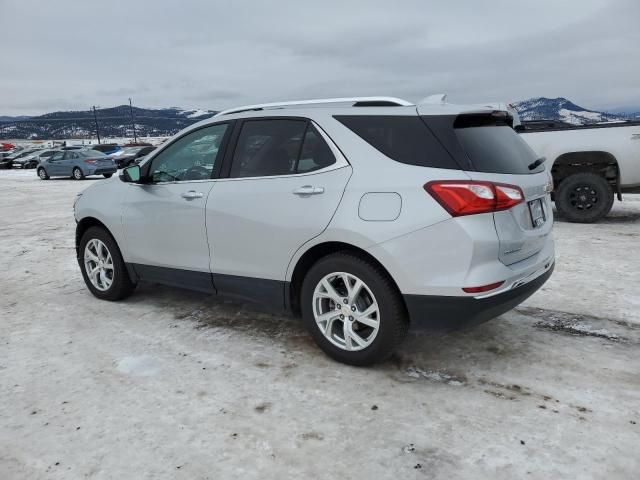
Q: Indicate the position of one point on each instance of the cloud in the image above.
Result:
(216, 54)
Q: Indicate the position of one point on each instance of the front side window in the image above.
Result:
(56, 157)
(268, 148)
(192, 157)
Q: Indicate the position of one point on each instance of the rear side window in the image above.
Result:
(267, 148)
(494, 147)
(405, 139)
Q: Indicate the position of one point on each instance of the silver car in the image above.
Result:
(76, 164)
(365, 216)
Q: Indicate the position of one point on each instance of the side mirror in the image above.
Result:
(131, 174)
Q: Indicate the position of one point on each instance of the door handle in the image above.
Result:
(192, 195)
(307, 190)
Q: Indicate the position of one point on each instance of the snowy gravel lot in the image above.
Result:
(175, 384)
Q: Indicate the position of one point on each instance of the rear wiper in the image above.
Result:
(537, 163)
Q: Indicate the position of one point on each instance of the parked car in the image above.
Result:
(367, 217)
(106, 148)
(17, 154)
(76, 164)
(33, 159)
(590, 164)
(128, 155)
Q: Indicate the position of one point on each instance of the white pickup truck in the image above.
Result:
(590, 164)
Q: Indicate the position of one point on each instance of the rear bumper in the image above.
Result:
(432, 312)
(102, 170)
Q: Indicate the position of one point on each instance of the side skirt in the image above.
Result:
(199, 281)
(269, 293)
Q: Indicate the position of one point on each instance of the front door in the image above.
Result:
(54, 165)
(164, 220)
(284, 185)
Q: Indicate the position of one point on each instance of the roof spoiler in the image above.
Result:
(438, 98)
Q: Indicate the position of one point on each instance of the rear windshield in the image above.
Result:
(405, 139)
(91, 153)
(494, 147)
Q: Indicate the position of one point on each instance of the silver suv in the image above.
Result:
(367, 216)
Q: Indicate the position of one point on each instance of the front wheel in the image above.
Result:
(107, 175)
(42, 173)
(584, 198)
(77, 174)
(102, 266)
(352, 309)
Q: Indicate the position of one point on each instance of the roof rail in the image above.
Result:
(365, 101)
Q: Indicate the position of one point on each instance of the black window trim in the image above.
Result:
(217, 166)
(341, 160)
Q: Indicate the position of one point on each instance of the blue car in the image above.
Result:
(76, 164)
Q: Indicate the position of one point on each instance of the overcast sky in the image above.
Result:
(71, 54)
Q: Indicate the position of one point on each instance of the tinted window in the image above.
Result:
(497, 149)
(89, 153)
(56, 156)
(315, 153)
(405, 139)
(191, 157)
(267, 148)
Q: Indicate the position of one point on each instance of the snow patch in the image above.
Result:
(435, 376)
(142, 366)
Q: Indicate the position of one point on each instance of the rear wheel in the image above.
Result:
(102, 266)
(42, 173)
(77, 174)
(584, 198)
(352, 309)
(107, 175)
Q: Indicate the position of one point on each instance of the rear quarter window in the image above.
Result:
(405, 139)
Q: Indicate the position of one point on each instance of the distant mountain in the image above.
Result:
(12, 119)
(541, 108)
(112, 122)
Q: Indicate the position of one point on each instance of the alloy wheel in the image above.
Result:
(346, 311)
(98, 264)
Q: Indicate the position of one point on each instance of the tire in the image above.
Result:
(77, 174)
(120, 285)
(392, 322)
(42, 173)
(107, 175)
(584, 198)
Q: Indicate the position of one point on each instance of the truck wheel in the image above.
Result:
(584, 198)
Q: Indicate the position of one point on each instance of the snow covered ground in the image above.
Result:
(175, 384)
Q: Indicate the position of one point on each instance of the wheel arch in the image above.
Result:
(600, 162)
(315, 253)
(85, 224)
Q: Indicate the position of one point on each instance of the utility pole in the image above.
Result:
(133, 122)
(95, 117)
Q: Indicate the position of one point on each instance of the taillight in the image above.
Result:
(91, 162)
(469, 197)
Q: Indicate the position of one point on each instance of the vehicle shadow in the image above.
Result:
(453, 352)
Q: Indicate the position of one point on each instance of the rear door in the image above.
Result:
(490, 150)
(284, 182)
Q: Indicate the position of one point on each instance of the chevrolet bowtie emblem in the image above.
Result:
(548, 188)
